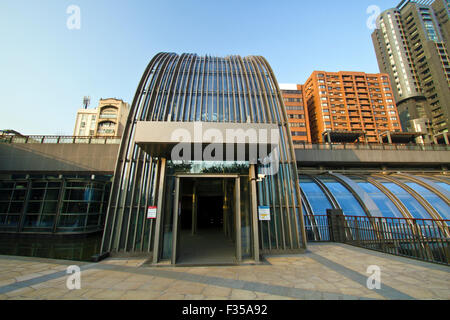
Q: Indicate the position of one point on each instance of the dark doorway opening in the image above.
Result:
(210, 212)
(207, 220)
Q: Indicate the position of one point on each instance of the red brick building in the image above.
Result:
(342, 102)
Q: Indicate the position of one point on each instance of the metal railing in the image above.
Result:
(371, 146)
(58, 140)
(427, 240)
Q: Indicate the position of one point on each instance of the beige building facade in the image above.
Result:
(108, 119)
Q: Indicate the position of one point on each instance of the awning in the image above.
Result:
(399, 137)
(203, 141)
(342, 136)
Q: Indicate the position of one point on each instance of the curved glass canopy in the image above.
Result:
(388, 199)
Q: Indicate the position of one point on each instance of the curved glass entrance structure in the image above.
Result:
(184, 92)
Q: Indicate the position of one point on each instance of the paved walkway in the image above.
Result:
(326, 271)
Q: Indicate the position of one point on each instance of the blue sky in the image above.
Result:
(46, 69)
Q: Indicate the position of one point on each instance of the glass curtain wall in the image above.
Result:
(187, 88)
(53, 204)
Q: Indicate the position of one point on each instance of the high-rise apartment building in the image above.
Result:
(411, 47)
(441, 10)
(297, 112)
(350, 102)
(108, 119)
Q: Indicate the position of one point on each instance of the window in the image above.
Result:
(107, 127)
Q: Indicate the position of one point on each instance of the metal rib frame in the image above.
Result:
(190, 88)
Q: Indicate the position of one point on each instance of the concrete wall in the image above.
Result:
(99, 158)
(96, 158)
(376, 157)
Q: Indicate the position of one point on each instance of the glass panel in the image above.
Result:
(245, 217)
(413, 206)
(52, 194)
(31, 221)
(438, 204)
(315, 196)
(34, 207)
(16, 207)
(73, 221)
(443, 185)
(386, 206)
(19, 195)
(47, 222)
(6, 185)
(5, 195)
(346, 200)
(50, 207)
(4, 207)
(12, 221)
(93, 220)
(94, 207)
(37, 194)
(75, 207)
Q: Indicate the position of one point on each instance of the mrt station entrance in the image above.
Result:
(207, 220)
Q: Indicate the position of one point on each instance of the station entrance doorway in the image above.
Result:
(207, 223)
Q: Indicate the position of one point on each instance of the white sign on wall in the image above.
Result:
(264, 213)
(151, 212)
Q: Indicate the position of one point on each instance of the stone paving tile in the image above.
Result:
(237, 294)
(326, 271)
(194, 297)
(159, 284)
(141, 295)
(110, 294)
(213, 291)
(19, 292)
(185, 287)
(405, 276)
(171, 296)
(131, 262)
(127, 285)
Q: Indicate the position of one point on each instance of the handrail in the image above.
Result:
(10, 139)
(387, 218)
(423, 239)
(43, 139)
(371, 146)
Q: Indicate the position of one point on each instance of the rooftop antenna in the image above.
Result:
(86, 102)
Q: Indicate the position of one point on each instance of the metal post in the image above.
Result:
(175, 221)
(156, 244)
(358, 238)
(334, 223)
(194, 209)
(254, 213)
(237, 221)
